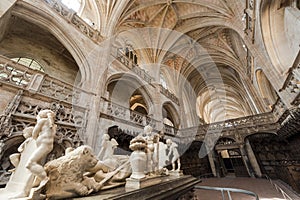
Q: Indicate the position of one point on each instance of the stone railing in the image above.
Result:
(245, 125)
(121, 113)
(144, 75)
(170, 130)
(278, 109)
(62, 91)
(253, 120)
(36, 90)
(14, 73)
(34, 81)
(75, 20)
(169, 94)
(134, 67)
(292, 82)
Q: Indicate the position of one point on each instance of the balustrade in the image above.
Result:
(133, 67)
(278, 109)
(122, 113)
(292, 82)
(169, 94)
(14, 73)
(77, 21)
(62, 91)
(19, 75)
(144, 75)
(230, 126)
(170, 130)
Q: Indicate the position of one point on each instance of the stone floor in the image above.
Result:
(261, 187)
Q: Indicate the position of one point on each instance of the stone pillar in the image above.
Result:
(252, 159)
(246, 160)
(93, 121)
(212, 163)
(155, 110)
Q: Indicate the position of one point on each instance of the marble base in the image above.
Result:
(132, 183)
(34, 194)
(176, 173)
(169, 188)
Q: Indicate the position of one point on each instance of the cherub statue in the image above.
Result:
(149, 137)
(43, 133)
(107, 147)
(173, 150)
(15, 158)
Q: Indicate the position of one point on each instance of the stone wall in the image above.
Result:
(24, 39)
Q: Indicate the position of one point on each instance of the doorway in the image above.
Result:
(231, 163)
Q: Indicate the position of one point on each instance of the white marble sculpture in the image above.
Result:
(160, 156)
(21, 180)
(111, 169)
(107, 147)
(43, 133)
(175, 155)
(66, 174)
(32, 152)
(138, 158)
(15, 158)
(149, 137)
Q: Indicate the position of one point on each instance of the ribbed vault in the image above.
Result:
(205, 51)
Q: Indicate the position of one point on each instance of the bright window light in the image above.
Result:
(72, 4)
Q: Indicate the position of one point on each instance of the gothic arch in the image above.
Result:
(265, 88)
(279, 33)
(169, 111)
(46, 21)
(116, 82)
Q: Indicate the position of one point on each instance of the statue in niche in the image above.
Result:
(175, 155)
(43, 133)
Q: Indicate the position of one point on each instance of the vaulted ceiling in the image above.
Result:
(196, 38)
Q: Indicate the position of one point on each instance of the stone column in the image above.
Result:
(93, 121)
(212, 163)
(252, 159)
(246, 160)
(155, 110)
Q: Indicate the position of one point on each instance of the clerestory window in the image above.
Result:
(72, 4)
(29, 62)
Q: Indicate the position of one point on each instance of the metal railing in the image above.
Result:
(228, 191)
(279, 189)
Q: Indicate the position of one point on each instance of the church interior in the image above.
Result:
(221, 78)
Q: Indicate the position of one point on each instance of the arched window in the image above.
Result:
(72, 4)
(29, 62)
(137, 103)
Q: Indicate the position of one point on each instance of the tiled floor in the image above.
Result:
(261, 187)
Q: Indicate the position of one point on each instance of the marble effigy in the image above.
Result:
(67, 174)
(79, 172)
